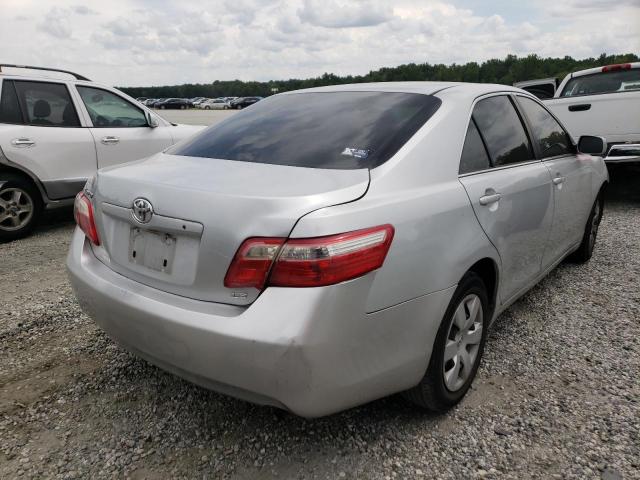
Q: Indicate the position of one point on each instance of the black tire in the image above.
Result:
(585, 251)
(432, 392)
(18, 183)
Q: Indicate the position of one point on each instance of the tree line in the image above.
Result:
(505, 71)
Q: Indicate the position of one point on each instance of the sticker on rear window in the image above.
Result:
(355, 152)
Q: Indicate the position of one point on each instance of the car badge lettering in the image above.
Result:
(142, 210)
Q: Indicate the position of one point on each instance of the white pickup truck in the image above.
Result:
(602, 101)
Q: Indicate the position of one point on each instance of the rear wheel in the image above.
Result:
(585, 250)
(20, 207)
(457, 349)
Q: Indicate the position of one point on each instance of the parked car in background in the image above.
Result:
(197, 100)
(154, 103)
(54, 134)
(174, 103)
(214, 104)
(361, 244)
(243, 102)
(599, 101)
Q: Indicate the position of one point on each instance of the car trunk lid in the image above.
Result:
(202, 211)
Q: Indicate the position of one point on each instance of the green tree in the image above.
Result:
(505, 71)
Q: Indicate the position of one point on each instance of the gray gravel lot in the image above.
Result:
(557, 395)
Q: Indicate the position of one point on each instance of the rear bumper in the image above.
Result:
(312, 351)
(623, 153)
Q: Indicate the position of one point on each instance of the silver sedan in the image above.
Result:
(327, 247)
(214, 104)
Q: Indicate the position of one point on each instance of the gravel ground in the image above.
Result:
(557, 395)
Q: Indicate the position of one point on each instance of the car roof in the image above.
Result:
(424, 88)
(50, 78)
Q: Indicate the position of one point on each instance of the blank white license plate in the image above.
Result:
(154, 250)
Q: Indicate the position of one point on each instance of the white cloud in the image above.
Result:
(56, 23)
(343, 14)
(142, 42)
(83, 10)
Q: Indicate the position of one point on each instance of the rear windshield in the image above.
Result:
(608, 82)
(333, 130)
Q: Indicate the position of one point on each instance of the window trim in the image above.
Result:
(90, 121)
(529, 126)
(501, 167)
(25, 116)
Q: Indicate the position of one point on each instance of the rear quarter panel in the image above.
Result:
(437, 236)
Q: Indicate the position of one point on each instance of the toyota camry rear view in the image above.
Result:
(327, 247)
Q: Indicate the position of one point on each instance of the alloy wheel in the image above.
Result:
(463, 342)
(16, 209)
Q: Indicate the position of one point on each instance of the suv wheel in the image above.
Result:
(457, 349)
(20, 207)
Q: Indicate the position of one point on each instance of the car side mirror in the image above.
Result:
(592, 145)
(151, 120)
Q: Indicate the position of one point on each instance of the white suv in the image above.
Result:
(54, 134)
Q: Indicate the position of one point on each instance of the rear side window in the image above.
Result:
(609, 82)
(474, 154)
(9, 107)
(502, 131)
(334, 130)
(550, 136)
(47, 104)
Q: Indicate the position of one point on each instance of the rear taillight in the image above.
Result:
(83, 213)
(309, 262)
(617, 67)
(252, 262)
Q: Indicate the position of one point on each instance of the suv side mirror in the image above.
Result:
(592, 145)
(151, 120)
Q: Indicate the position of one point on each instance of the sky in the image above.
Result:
(169, 42)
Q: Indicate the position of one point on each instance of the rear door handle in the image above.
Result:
(22, 142)
(489, 199)
(558, 180)
(109, 140)
(579, 108)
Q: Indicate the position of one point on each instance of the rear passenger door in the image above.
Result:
(571, 179)
(120, 128)
(40, 132)
(511, 191)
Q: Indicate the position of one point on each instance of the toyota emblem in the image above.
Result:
(142, 210)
